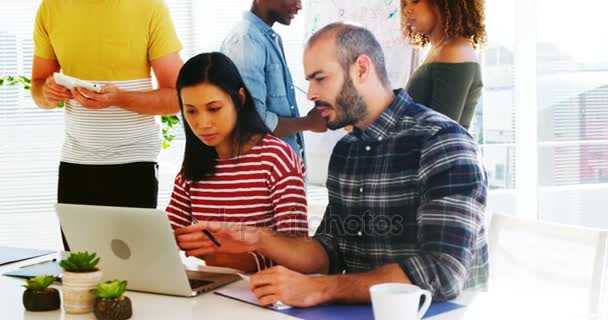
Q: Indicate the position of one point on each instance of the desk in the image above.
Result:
(495, 305)
(145, 306)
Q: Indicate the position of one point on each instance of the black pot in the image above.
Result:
(41, 300)
(117, 309)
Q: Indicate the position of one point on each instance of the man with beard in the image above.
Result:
(258, 53)
(407, 192)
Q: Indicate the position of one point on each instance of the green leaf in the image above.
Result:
(40, 282)
(168, 122)
(10, 80)
(110, 289)
(80, 262)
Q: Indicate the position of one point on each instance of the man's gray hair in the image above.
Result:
(351, 42)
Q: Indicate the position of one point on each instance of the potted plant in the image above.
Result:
(79, 277)
(110, 303)
(38, 296)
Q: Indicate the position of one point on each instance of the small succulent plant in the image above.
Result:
(80, 262)
(38, 296)
(110, 290)
(39, 283)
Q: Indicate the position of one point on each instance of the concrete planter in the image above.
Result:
(76, 286)
(115, 309)
(41, 300)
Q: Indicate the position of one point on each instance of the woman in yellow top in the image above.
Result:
(449, 79)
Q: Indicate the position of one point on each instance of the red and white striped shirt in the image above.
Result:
(263, 187)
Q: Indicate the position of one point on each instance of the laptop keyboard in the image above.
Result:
(195, 284)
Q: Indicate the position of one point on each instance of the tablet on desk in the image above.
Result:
(43, 268)
(10, 254)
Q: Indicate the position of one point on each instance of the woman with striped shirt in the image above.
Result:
(233, 170)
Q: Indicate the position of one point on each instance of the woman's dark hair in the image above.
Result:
(217, 69)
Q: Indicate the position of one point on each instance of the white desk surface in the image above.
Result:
(493, 305)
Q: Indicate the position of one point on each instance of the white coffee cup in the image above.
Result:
(398, 301)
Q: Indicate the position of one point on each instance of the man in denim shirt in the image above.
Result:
(258, 53)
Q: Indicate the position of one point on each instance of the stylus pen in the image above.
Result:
(208, 234)
(212, 238)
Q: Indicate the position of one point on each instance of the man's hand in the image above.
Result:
(109, 96)
(234, 238)
(55, 93)
(316, 123)
(292, 288)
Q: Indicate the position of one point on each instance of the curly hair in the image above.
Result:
(461, 18)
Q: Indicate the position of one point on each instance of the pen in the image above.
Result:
(212, 238)
(208, 234)
(41, 262)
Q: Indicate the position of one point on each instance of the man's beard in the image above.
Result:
(349, 107)
(276, 16)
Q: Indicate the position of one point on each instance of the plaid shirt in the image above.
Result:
(410, 189)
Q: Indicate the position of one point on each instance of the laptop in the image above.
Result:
(136, 245)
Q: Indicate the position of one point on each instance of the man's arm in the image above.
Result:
(248, 56)
(162, 100)
(450, 216)
(45, 92)
(313, 121)
(303, 254)
(155, 102)
(295, 289)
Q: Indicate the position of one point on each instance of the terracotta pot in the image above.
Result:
(41, 300)
(76, 287)
(115, 309)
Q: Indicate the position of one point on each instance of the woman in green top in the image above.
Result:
(449, 79)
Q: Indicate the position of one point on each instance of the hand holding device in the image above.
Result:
(71, 82)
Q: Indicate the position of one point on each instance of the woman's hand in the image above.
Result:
(233, 238)
(240, 261)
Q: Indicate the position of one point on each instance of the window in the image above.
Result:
(542, 119)
(30, 140)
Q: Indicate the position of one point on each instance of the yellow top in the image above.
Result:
(105, 40)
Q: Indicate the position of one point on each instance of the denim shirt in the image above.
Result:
(257, 51)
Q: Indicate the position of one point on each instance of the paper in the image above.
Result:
(245, 294)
